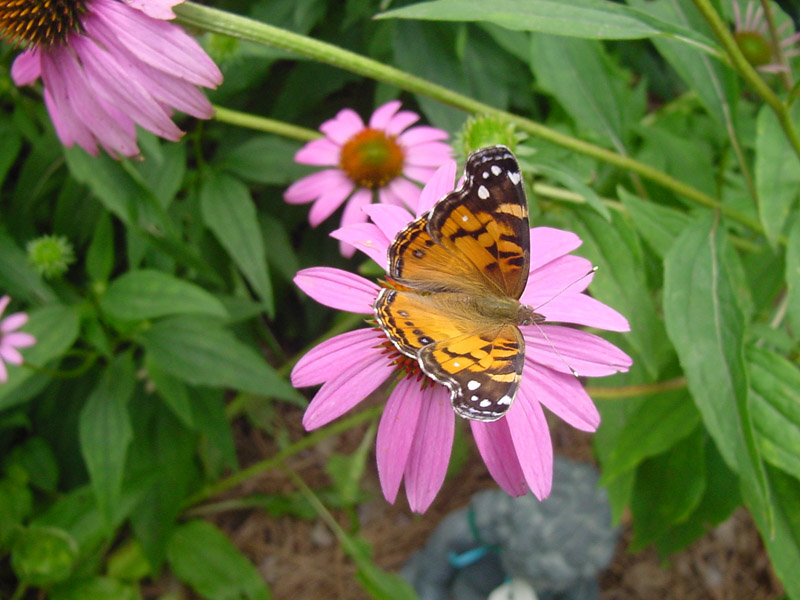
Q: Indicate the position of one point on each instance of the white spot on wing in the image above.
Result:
(473, 385)
(514, 177)
(474, 398)
(486, 174)
(465, 218)
(496, 170)
(483, 193)
(505, 400)
(484, 403)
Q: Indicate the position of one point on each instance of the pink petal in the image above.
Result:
(322, 152)
(586, 353)
(365, 237)
(420, 135)
(566, 274)
(157, 9)
(160, 44)
(26, 68)
(528, 427)
(549, 244)
(12, 322)
(343, 126)
(19, 339)
(430, 449)
(391, 220)
(3, 373)
(584, 310)
(69, 129)
(438, 187)
(387, 196)
(562, 394)
(396, 434)
(420, 174)
(406, 191)
(4, 302)
(497, 449)
(313, 186)
(383, 114)
(348, 388)
(329, 357)
(338, 289)
(9, 354)
(328, 202)
(399, 122)
(429, 154)
(353, 214)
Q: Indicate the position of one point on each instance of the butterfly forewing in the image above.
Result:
(486, 221)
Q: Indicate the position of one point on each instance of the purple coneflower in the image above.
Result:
(752, 35)
(416, 430)
(108, 66)
(381, 159)
(11, 339)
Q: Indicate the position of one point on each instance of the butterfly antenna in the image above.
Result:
(578, 280)
(554, 349)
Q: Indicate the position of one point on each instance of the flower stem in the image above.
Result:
(276, 460)
(630, 391)
(241, 119)
(748, 73)
(218, 21)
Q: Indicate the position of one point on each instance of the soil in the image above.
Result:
(302, 560)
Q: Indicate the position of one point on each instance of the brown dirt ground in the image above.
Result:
(302, 560)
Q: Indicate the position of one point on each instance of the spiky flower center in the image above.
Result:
(39, 22)
(371, 158)
(755, 47)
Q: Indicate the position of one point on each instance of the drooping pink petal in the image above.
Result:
(531, 436)
(549, 244)
(562, 394)
(157, 9)
(391, 220)
(351, 386)
(343, 126)
(586, 353)
(26, 68)
(12, 322)
(332, 356)
(396, 434)
(312, 186)
(406, 191)
(383, 114)
(338, 289)
(321, 152)
(430, 449)
(494, 442)
(437, 187)
(353, 214)
(365, 237)
(581, 309)
(401, 121)
(421, 135)
(9, 354)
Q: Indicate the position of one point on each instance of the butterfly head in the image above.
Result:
(527, 316)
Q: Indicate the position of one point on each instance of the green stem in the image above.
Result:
(630, 391)
(775, 41)
(241, 119)
(218, 21)
(748, 73)
(274, 461)
(19, 593)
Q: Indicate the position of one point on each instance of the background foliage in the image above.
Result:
(179, 314)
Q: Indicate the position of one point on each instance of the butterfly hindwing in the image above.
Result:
(485, 222)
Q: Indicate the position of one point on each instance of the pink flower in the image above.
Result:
(751, 33)
(416, 430)
(108, 66)
(11, 339)
(382, 158)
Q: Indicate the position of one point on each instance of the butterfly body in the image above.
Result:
(458, 273)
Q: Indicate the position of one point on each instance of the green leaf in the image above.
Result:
(668, 488)
(266, 159)
(579, 74)
(55, 328)
(16, 505)
(595, 19)
(655, 426)
(217, 446)
(775, 402)
(173, 391)
(777, 172)
(96, 588)
(229, 212)
(105, 432)
(201, 352)
(346, 471)
(17, 277)
(42, 556)
(149, 294)
(793, 275)
(100, 255)
(203, 557)
(572, 181)
(9, 149)
(659, 225)
(706, 326)
(164, 167)
(36, 458)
